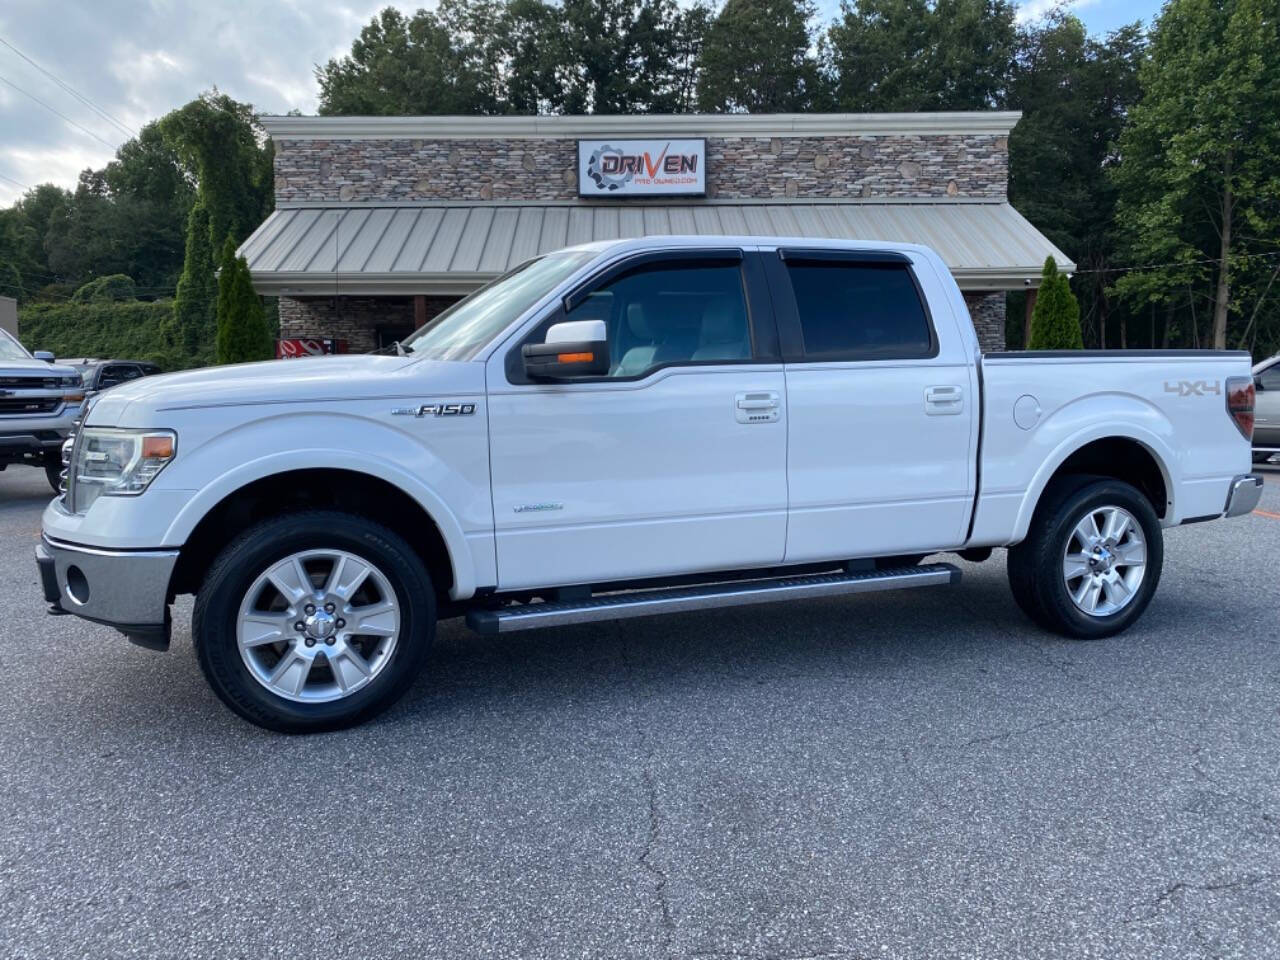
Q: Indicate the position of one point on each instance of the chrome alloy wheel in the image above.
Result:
(1104, 561)
(318, 625)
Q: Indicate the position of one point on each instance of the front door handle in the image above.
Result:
(943, 400)
(757, 406)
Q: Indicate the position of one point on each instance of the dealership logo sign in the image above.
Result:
(642, 168)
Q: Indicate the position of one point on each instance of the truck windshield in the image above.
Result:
(10, 349)
(463, 330)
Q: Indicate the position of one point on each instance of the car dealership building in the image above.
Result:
(382, 222)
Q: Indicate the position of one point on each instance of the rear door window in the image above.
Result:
(859, 309)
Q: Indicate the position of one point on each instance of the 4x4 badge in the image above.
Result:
(436, 410)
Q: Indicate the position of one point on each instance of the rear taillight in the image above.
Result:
(1240, 404)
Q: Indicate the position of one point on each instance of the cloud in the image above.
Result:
(138, 60)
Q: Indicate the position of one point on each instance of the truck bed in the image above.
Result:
(1039, 406)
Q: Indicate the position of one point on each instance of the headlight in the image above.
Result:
(117, 463)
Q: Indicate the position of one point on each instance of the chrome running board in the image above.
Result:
(645, 603)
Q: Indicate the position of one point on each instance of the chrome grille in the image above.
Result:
(33, 383)
(23, 405)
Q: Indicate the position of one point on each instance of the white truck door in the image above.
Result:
(882, 434)
(675, 462)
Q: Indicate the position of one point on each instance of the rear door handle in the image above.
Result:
(943, 400)
(758, 406)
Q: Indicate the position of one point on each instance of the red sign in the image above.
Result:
(294, 347)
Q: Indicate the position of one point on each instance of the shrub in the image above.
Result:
(127, 330)
(1055, 319)
(117, 286)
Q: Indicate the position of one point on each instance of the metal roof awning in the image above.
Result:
(378, 249)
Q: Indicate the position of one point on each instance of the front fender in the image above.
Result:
(448, 477)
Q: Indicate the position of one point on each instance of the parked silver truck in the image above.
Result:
(39, 402)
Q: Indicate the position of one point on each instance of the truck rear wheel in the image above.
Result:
(1091, 559)
(314, 621)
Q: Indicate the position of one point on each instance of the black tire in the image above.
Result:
(53, 473)
(1035, 565)
(213, 623)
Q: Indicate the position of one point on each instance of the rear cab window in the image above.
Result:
(855, 305)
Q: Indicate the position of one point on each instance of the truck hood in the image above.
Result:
(35, 368)
(308, 380)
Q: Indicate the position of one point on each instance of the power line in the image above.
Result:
(56, 113)
(17, 182)
(71, 90)
(1182, 263)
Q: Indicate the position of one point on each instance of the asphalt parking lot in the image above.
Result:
(884, 776)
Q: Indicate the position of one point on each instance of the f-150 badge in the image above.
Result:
(436, 410)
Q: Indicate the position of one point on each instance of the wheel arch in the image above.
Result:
(1129, 454)
(290, 481)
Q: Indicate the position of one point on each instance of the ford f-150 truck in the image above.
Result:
(637, 427)
(38, 404)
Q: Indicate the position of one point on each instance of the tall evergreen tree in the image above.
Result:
(1055, 319)
(242, 324)
(191, 333)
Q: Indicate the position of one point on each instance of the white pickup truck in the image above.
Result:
(638, 427)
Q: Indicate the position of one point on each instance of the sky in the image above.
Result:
(133, 61)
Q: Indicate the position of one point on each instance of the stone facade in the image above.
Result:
(875, 164)
(741, 168)
(988, 313)
(354, 319)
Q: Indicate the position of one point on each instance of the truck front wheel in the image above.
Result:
(1091, 560)
(313, 621)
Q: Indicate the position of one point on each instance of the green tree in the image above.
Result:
(242, 325)
(1055, 319)
(520, 56)
(626, 56)
(1075, 92)
(920, 54)
(1200, 175)
(399, 65)
(757, 57)
(191, 333)
(220, 142)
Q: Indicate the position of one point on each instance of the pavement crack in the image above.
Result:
(651, 842)
(1172, 891)
(1042, 725)
(654, 832)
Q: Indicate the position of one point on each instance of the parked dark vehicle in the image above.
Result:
(102, 374)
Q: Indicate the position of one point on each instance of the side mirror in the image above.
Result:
(1257, 384)
(44, 355)
(575, 348)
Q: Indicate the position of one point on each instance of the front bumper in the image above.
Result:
(125, 589)
(16, 447)
(1244, 494)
